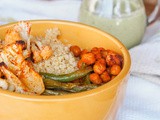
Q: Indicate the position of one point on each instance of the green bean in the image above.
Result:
(58, 85)
(87, 80)
(69, 87)
(83, 88)
(54, 92)
(68, 77)
(83, 66)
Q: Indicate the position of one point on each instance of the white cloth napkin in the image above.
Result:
(142, 101)
(146, 56)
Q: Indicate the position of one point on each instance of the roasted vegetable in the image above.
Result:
(11, 79)
(115, 69)
(99, 67)
(75, 50)
(13, 58)
(68, 77)
(87, 80)
(52, 84)
(88, 58)
(113, 58)
(4, 84)
(83, 88)
(54, 92)
(95, 78)
(105, 76)
(69, 87)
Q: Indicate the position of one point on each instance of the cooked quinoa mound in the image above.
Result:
(62, 61)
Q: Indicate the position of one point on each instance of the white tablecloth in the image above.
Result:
(142, 100)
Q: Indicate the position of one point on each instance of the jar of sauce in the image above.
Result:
(124, 19)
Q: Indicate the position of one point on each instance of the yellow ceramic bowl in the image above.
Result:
(97, 104)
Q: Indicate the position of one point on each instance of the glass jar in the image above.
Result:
(124, 19)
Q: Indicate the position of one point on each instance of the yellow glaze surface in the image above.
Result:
(97, 104)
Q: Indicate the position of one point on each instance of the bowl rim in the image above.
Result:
(125, 71)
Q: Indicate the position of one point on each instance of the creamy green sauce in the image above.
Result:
(129, 29)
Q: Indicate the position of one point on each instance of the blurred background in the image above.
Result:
(74, 10)
(48, 9)
(13, 10)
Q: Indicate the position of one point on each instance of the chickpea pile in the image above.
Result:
(106, 64)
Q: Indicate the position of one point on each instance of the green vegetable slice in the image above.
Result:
(68, 77)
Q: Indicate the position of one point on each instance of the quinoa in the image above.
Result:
(62, 61)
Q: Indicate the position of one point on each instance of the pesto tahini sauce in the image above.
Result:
(129, 29)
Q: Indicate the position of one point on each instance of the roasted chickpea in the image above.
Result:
(99, 67)
(102, 60)
(100, 49)
(113, 58)
(84, 51)
(95, 50)
(108, 69)
(80, 64)
(95, 78)
(88, 58)
(98, 56)
(105, 76)
(115, 69)
(75, 50)
(104, 53)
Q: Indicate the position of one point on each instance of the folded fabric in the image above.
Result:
(146, 58)
(142, 100)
